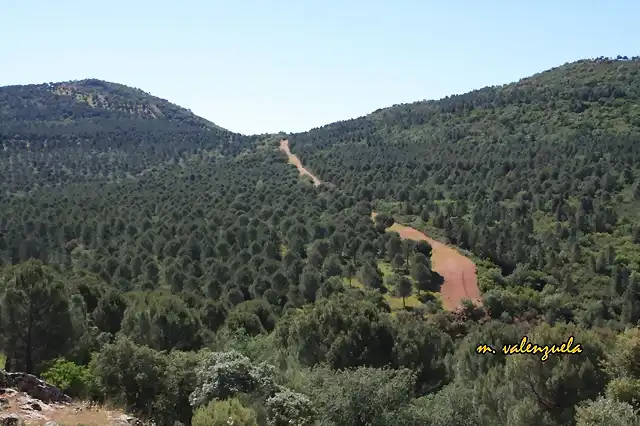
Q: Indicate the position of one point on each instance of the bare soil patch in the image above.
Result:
(459, 272)
(37, 413)
(293, 159)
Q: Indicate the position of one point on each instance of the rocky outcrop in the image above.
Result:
(25, 399)
(32, 386)
(124, 420)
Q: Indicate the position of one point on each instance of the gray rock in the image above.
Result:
(31, 406)
(32, 386)
(125, 420)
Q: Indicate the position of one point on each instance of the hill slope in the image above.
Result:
(90, 99)
(91, 130)
(540, 176)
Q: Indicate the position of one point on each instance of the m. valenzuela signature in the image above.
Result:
(526, 347)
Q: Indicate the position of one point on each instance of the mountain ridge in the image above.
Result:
(84, 89)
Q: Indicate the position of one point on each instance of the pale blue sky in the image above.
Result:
(270, 65)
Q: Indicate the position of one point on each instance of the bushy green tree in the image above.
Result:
(36, 321)
(604, 411)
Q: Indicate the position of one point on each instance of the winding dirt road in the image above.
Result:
(459, 272)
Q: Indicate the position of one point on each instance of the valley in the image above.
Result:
(459, 272)
(155, 263)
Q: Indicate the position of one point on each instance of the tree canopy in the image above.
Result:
(153, 259)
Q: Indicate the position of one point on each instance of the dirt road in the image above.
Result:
(459, 272)
(284, 146)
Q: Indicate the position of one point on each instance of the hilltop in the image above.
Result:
(89, 100)
(92, 130)
(190, 274)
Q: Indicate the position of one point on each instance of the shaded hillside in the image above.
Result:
(540, 176)
(94, 130)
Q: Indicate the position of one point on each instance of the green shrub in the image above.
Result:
(74, 380)
(224, 413)
(289, 408)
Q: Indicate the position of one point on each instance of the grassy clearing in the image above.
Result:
(395, 302)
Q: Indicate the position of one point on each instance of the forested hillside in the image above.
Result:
(92, 130)
(539, 176)
(189, 274)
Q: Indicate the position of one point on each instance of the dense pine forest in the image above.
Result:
(153, 260)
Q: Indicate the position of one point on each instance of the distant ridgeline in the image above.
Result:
(94, 130)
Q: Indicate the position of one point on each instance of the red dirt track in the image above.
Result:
(459, 272)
